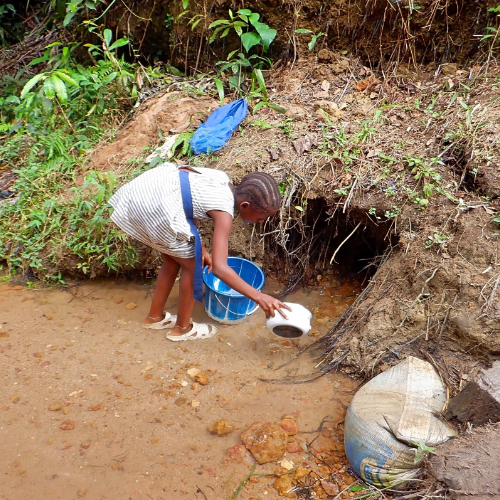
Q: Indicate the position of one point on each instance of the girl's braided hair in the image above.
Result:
(260, 190)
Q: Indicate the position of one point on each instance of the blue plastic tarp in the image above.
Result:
(216, 131)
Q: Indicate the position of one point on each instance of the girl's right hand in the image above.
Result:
(270, 304)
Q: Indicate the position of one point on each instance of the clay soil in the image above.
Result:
(468, 465)
(93, 406)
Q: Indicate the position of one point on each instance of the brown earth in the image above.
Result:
(468, 465)
(172, 113)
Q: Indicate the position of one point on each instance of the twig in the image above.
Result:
(349, 198)
(65, 117)
(338, 248)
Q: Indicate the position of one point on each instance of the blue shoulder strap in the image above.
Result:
(187, 203)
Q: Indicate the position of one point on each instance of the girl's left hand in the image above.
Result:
(206, 259)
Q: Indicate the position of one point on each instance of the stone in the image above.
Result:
(295, 111)
(301, 473)
(222, 427)
(239, 454)
(201, 378)
(331, 489)
(479, 402)
(86, 444)
(302, 144)
(294, 448)
(193, 372)
(449, 69)
(67, 425)
(81, 492)
(328, 107)
(130, 306)
(55, 406)
(289, 426)
(283, 485)
(265, 441)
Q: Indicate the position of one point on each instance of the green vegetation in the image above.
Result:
(53, 123)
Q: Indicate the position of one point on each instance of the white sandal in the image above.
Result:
(199, 331)
(167, 322)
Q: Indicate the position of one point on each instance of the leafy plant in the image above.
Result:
(247, 26)
(314, 37)
(422, 451)
(259, 91)
(252, 33)
(73, 7)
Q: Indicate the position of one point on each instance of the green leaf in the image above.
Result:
(60, 88)
(13, 99)
(277, 108)
(109, 78)
(302, 30)
(261, 81)
(108, 36)
(49, 89)
(61, 74)
(220, 90)
(254, 18)
(119, 43)
(266, 33)
(68, 18)
(224, 33)
(218, 23)
(31, 83)
(313, 41)
(245, 12)
(299, 208)
(185, 4)
(258, 106)
(249, 40)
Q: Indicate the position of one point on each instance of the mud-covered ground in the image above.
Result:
(93, 406)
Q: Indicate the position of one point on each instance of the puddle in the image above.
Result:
(136, 422)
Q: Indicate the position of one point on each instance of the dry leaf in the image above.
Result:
(367, 82)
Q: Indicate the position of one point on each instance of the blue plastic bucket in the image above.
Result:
(225, 305)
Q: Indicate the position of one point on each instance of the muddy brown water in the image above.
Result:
(127, 421)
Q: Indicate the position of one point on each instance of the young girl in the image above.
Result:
(160, 208)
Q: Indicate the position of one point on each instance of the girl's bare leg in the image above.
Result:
(186, 297)
(164, 283)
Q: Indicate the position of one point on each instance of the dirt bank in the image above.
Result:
(380, 32)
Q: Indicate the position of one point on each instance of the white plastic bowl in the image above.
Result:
(297, 324)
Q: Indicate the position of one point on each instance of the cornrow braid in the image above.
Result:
(260, 190)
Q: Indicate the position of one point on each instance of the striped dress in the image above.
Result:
(149, 208)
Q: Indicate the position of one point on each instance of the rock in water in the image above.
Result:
(284, 487)
(265, 441)
(221, 427)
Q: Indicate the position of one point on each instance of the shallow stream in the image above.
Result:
(93, 406)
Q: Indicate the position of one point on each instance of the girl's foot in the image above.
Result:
(159, 322)
(179, 330)
(195, 331)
